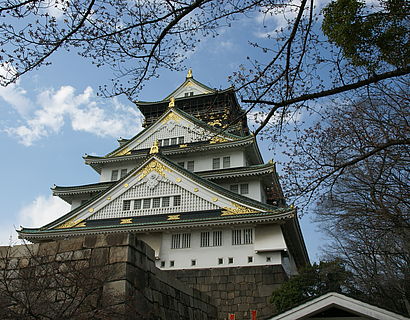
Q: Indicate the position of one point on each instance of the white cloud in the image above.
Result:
(84, 111)
(41, 211)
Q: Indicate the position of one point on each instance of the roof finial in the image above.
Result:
(171, 102)
(155, 147)
(189, 75)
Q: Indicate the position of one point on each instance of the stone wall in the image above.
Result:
(112, 276)
(236, 290)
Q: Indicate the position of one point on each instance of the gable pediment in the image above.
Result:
(158, 187)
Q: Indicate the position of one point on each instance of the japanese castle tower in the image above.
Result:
(192, 185)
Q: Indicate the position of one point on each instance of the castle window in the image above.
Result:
(165, 202)
(146, 203)
(226, 162)
(190, 165)
(172, 263)
(216, 163)
(165, 142)
(156, 202)
(126, 205)
(217, 238)
(137, 204)
(182, 164)
(220, 260)
(162, 264)
(205, 239)
(234, 188)
(181, 241)
(268, 259)
(173, 141)
(244, 188)
(193, 262)
(230, 260)
(250, 259)
(177, 201)
(180, 140)
(114, 175)
(242, 236)
(123, 173)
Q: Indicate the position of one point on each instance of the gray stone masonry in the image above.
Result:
(237, 289)
(131, 286)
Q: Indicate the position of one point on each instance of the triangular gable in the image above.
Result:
(158, 177)
(174, 123)
(190, 87)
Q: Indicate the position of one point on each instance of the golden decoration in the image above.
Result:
(196, 189)
(215, 122)
(123, 152)
(214, 199)
(178, 179)
(174, 217)
(171, 116)
(125, 185)
(217, 139)
(188, 84)
(70, 223)
(91, 210)
(183, 145)
(237, 210)
(171, 102)
(153, 165)
(189, 74)
(124, 221)
(81, 224)
(155, 147)
(108, 198)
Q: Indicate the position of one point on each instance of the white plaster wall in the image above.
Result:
(106, 171)
(203, 160)
(207, 257)
(255, 188)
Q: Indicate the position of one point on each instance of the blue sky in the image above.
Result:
(52, 116)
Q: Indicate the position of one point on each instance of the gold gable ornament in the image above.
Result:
(155, 148)
(171, 102)
(238, 209)
(189, 74)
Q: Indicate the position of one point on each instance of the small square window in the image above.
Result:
(230, 260)
(123, 173)
(146, 203)
(244, 188)
(250, 259)
(191, 93)
(190, 165)
(156, 202)
(137, 204)
(180, 140)
(114, 175)
(182, 164)
(186, 94)
(165, 202)
(268, 259)
(172, 263)
(162, 264)
(234, 188)
(216, 163)
(193, 262)
(226, 162)
(177, 201)
(173, 141)
(220, 260)
(126, 205)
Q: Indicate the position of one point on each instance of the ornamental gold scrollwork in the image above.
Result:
(238, 209)
(122, 152)
(174, 217)
(171, 116)
(215, 122)
(153, 165)
(217, 139)
(70, 223)
(125, 221)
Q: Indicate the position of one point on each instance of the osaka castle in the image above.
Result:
(192, 185)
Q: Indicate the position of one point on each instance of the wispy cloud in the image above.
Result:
(84, 111)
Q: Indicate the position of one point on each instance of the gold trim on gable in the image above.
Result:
(153, 165)
(174, 217)
(122, 153)
(70, 223)
(217, 139)
(124, 221)
(238, 209)
(171, 116)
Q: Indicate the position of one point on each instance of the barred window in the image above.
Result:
(205, 239)
(173, 141)
(226, 162)
(244, 188)
(156, 202)
(165, 142)
(216, 163)
(146, 203)
(234, 188)
(123, 173)
(177, 201)
(236, 237)
(114, 175)
(126, 205)
(190, 165)
(137, 204)
(180, 140)
(242, 236)
(181, 240)
(217, 238)
(247, 236)
(165, 202)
